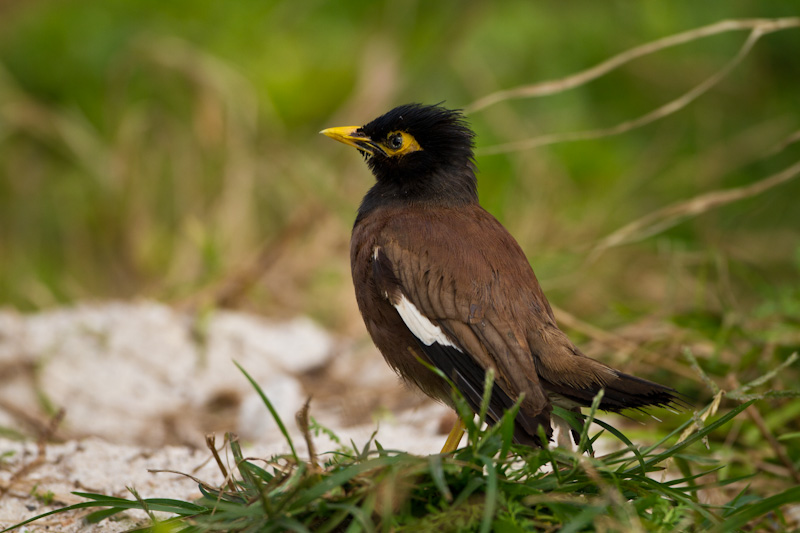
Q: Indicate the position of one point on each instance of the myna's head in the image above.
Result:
(417, 150)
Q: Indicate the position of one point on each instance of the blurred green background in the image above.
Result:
(169, 150)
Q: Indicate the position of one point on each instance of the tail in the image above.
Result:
(630, 392)
(621, 391)
(572, 380)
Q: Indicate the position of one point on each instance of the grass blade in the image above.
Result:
(691, 439)
(748, 513)
(272, 410)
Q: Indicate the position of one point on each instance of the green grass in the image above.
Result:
(488, 485)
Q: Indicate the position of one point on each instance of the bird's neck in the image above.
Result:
(443, 189)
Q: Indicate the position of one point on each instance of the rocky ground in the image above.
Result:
(120, 389)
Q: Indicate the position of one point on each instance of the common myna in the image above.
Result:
(439, 279)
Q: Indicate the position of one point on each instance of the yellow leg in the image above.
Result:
(454, 438)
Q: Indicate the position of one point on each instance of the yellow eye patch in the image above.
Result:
(399, 143)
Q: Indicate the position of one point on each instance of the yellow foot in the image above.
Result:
(454, 438)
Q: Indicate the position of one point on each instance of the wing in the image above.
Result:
(467, 310)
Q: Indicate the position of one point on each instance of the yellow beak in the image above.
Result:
(354, 137)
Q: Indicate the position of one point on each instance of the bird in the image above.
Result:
(441, 283)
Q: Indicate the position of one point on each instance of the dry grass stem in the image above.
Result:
(35, 423)
(789, 140)
(211, 444)
(41, 453)
(667, 217)
(777, 447)
(762, 26)
(303, 423)
(229, 292)
(665, 110)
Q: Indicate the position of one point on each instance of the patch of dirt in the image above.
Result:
(139, 386)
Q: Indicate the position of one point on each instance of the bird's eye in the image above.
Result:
(396, 141)
(400, 143)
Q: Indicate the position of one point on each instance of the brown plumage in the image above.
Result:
(439, 278)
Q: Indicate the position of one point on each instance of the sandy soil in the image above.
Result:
(136, 387)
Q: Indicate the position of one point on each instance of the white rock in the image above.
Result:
(256, 423)
(295, 346)
(135, 373)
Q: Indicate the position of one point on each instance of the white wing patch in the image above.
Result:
(422, 328)
(562, 434)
